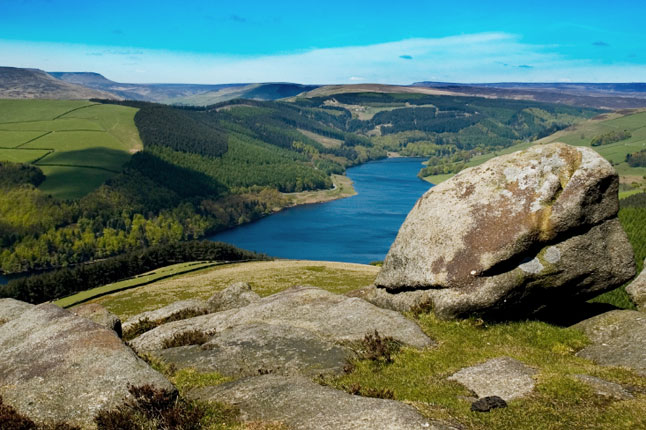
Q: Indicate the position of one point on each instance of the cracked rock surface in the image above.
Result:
(520, 231)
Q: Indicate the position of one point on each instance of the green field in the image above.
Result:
(581, 135)
(77, 144)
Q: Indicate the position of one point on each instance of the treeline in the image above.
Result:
(637, 159)
(62, 283)
(610, 137)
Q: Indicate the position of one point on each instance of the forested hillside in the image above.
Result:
(203, 169)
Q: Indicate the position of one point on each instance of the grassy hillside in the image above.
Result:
(77, 144)
(17, 83)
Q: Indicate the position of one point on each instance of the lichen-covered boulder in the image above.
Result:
(637, 290)
(56, 366)
(518, 232)
(100, 315)
(234, 296)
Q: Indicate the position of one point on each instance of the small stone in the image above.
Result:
(234, 296)
(504, 377)
(488, 403)
(605, 388)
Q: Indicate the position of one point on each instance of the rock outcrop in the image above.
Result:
(100, 315)
(175, 311)
(503, 377)
(11, 309)
(258, 348)
(234, 296)
(56, 366)
(304, 405)
(514, 234)
(618, 339)
(331, 317)
(637, 290)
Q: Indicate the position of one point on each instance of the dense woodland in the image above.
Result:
(209, 168)
(610, 137)
(637, 159)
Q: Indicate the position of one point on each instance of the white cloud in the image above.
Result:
(484, 57)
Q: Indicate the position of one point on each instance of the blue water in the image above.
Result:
(358, 229)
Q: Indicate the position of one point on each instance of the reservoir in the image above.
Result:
(358, 229)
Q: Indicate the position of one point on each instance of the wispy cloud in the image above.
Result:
(483, 57)
(601, 43)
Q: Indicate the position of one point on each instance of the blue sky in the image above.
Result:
(328, 41)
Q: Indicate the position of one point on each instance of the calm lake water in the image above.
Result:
(358, 229)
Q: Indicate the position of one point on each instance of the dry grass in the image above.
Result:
(265, 277)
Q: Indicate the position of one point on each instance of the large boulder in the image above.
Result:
(11, 309)
(637, 290)
(304, 405)
(330, 316)
(56, 366)
(518, 232)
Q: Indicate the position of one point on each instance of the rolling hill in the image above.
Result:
(185, 94)
(16, 83)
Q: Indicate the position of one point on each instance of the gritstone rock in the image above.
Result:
(618, 339)
(11, 309)
(234, 296)
(331, 317)
(637, 289)
(304, 405)
(503, 377)
(178, 310)
(100, 315)
(56, 366)
(514, 234)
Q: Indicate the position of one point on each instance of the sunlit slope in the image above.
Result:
(77, 144)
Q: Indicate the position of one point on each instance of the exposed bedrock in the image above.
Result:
(519, 232)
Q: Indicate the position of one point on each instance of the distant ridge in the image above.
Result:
(187, 94)
(17, 83)
(598, 95)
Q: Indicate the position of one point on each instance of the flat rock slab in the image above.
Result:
(100, 315)
(304, 405)
(504, 377)
(186, 308)
(637, 290)
(11, 309)
(260, 348)
(332, 317)
(618, 339)
(56, 366)
(605, 388)
(234, 296)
